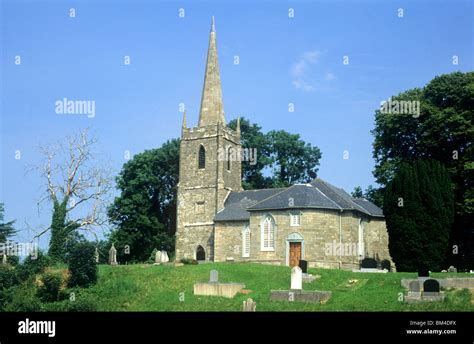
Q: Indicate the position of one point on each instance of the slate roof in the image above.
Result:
(316, 195)
(369, 206)
(237, 203)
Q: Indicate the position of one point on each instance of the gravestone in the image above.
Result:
(249, 305)
(303, 264)
(158, 257)
(113, 255)
(4, 259)
(96, 255)
(296, 278)
(431, 286)
(414, 286)
(369, 263)
(452, 269)
(164, 257)
(386, 265)
(214, 278)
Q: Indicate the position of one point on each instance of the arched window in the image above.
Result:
(229, 157)
(202, 157)
(268, 234)
(246, 242)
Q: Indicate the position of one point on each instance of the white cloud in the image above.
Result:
(330, 76)
(303, 85)
(300, 69)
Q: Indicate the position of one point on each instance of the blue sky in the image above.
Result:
(282, 60)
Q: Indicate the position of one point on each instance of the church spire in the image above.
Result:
(184, 121)
(212, 108)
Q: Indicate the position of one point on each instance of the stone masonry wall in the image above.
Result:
(320, 230)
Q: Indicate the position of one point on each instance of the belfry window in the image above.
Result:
(229, 157)
(202, 157)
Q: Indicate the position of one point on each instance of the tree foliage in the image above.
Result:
(145, 212)
(6, 228)
(82, 265)
(419, 210)
(286, 157)
(443, 131)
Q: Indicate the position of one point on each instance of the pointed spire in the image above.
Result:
(237, 129)
(184, 120)
(212, 108)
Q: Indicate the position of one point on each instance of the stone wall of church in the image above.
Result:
(228, 241)
(192, 236)
(376, 236)
(202, 192)
(320, 231)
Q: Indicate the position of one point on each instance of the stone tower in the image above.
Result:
(206, 176)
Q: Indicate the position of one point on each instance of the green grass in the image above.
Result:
(158, 288)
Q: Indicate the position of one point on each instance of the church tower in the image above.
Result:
(206, 174)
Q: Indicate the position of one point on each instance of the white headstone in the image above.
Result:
(249, 305)
(296, 278)
(158, 257)
(164, 257)
(4, 259)
(113, 255)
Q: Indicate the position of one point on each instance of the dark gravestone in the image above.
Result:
(423, 272)
(431, 286)
(303, 264)
(369, 263)
(386, 265)
(414, 286)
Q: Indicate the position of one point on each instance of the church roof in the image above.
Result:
(315, 195)
(237, 203)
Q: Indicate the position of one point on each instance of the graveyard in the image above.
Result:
(167, 287)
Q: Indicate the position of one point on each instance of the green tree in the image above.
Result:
(419, 210)
(357, 193)
(145, 212)
(293, 160)
(443, 131)
(59, 232)
(82, 265)
(286, 156)
(374, 195)
(252, 137)
(6, 228)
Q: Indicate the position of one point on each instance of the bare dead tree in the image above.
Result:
(72, 173)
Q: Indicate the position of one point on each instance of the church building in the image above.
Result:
(218, 221)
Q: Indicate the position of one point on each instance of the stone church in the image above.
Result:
(218, 221)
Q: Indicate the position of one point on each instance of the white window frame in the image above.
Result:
(246, 242)
(267, 218)
(295, 216)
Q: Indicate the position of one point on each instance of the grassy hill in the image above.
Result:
(159, 288)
